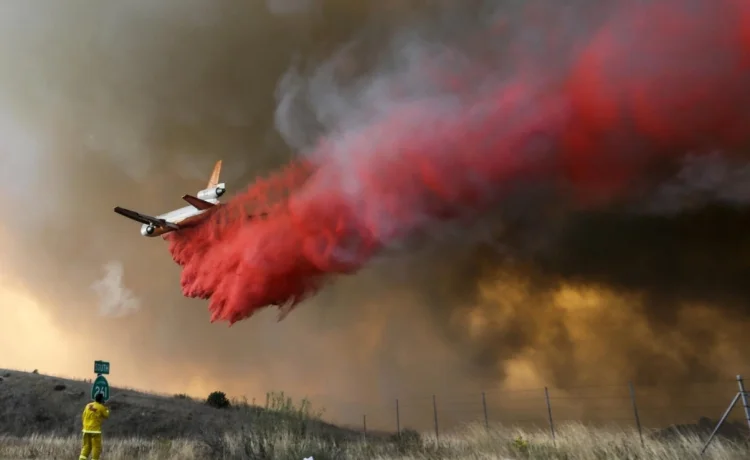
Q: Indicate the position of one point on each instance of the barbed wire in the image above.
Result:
(543, 407)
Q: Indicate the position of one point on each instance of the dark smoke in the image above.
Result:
(670, 261)
(662, 265)
(130, 105)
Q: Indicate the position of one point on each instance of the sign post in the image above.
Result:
(100, 386)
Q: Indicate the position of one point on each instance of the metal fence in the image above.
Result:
(643, 408)
(640, 408)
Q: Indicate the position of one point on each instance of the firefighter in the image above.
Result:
(93, 415)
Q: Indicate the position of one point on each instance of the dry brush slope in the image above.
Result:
(34, 404)
(37, 404)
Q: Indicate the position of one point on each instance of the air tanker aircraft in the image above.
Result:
(183, 217)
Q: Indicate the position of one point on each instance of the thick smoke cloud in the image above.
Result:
(130, 105)
(666, 256)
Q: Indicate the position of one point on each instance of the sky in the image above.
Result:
(130, 104)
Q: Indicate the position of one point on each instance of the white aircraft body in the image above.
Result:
(183, 217)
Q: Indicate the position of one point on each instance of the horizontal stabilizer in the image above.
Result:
(197, 203)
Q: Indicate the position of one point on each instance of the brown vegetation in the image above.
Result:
(40, 418)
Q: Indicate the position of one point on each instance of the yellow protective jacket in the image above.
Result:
(93, 416)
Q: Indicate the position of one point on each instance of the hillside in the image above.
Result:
(37, 404)
(40, 418)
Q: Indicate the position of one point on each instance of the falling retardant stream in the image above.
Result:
(655, 81)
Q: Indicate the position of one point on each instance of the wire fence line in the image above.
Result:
(640, 407)
(626, 405)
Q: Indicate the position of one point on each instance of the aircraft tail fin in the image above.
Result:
(214, 181)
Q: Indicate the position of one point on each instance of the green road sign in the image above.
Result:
(101, 367)
(100, 386)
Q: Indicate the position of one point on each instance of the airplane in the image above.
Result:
(183, 217)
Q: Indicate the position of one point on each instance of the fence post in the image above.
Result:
(549, 413)
(484, 406)
(743, 394)
(721, 422)
(434, 411)
(635, 411)
(364, 426)
(398, 420)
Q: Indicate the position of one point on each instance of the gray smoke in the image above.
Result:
(130, 104)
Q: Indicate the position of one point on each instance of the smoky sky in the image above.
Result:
(130, 104)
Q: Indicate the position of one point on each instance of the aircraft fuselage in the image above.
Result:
(182, 217)
(205, 199)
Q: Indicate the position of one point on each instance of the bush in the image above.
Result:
(296, 418)
(520, 445)
(408, 441)
(280, 403)
(218, 399)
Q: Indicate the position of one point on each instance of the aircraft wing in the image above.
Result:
(197, 203)
(145, 219)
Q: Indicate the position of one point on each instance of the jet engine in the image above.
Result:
(212, 193)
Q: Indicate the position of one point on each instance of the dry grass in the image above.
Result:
(148, 426)
(474, 442)
(36, 403)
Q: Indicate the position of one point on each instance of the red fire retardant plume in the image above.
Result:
(654, 82)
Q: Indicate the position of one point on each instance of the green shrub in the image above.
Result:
(218, 399)
(520, 446)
